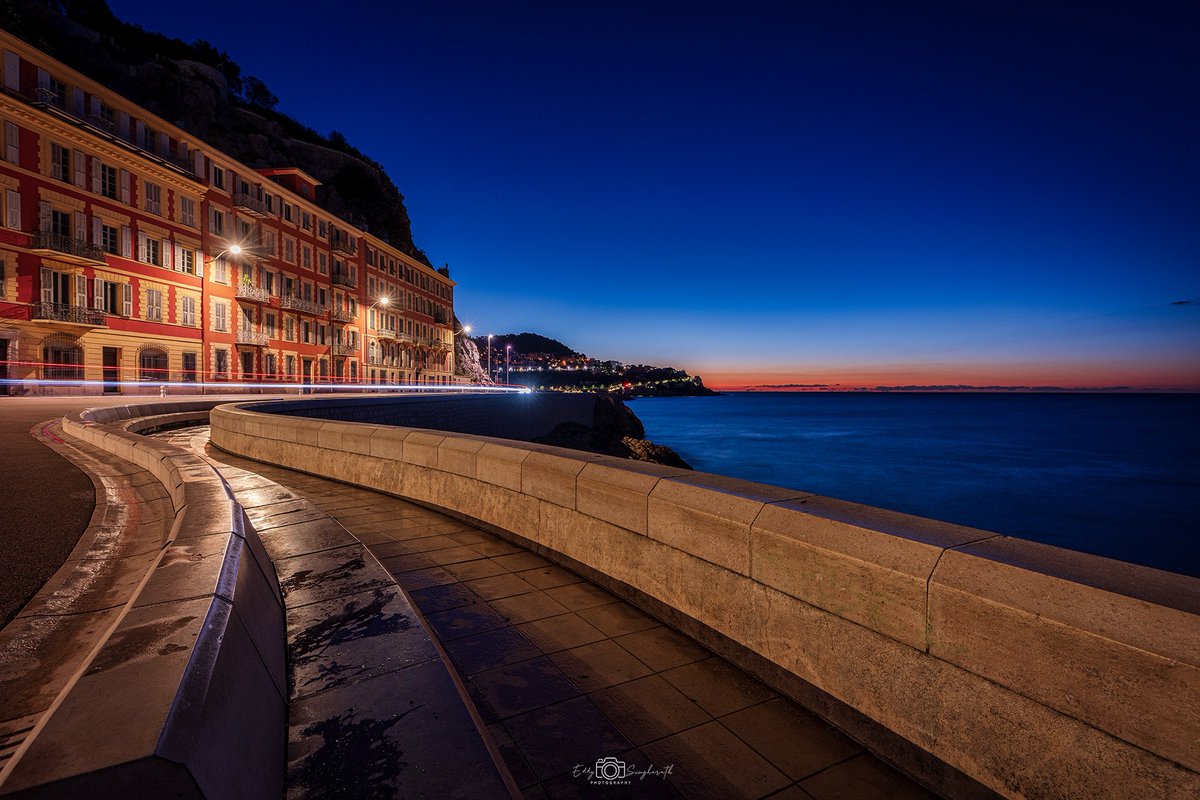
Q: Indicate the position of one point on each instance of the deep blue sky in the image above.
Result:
(780, 192)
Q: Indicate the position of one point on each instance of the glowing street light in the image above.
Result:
(491, 377)
(507, 353)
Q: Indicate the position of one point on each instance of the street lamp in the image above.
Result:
(507, 353)
(491, 377)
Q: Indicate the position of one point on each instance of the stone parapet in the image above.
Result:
(1031, 670)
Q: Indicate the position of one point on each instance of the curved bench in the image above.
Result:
(186, 695)
(1014, 668)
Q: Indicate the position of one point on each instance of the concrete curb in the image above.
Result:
(186, 694)
(1083, 672)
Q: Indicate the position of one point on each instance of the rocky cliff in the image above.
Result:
(202, 90)
(615, 431)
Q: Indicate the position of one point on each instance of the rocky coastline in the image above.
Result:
(615, 431)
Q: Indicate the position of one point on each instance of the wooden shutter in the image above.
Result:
(126, 192)
(127, 299)
(95, 105)
(81, 226)
(167, 254)
(199, 263)
(12, 70)
(12, 143)
(80, 168)
(97, 231)
(47, 285)
(199, 165)
(98, 294)
(77, 100)
(12, 209)
(141, 239)
(126, 244)
(81, 291)
(43, 78)
(44, 216)
(139, 131)
(96, 175)
(123, 124)
(178, 257)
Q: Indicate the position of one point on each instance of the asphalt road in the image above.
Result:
(45, 500)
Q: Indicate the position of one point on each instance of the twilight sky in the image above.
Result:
(779, 193)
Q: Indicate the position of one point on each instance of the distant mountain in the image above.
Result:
(528, 344)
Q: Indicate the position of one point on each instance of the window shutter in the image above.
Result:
(44, 216)
(95, 104)
(139, 131)
(126, 246)
(77, 100)
(81, 226)
(47, 285)
(199, 261)
(43, 79)
(80, 168)
(98, 297)
(178, 261)
(199, 165)
(168, 262)
(141, 256)
(12, 143)
(96, 175)
(127, 299)
(126, 193)
(12, 209)
(97, 231)
(123, 124)
(81, 291)
(12, 70)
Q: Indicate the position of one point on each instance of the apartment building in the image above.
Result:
(133, 255)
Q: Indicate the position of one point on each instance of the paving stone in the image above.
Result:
(661, 648)
(710, 762)
(578, 596)
(792, 739)
(353, 638)
(431, 543)
(464, 621)
(499, 586)
(518, 767)
(528, 607)
(287, 541)
(427, 578)
(469, 570)
(495, 648)
(516, 688)
(405, 563)
(441, 598)
(649, 708)
(549, 577)
(862, 778)
(517, 562)
(616, 619)
(561, 737)
(452, 555)
(600, 664)
(717, 686)
(560, 632)
(327, 574)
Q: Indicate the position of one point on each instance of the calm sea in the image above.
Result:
(1116, 475)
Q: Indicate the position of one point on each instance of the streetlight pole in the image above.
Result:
(491, 377)
(507, 353)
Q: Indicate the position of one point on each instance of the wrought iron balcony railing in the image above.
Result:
(68, 245)
(251, 337)
(76, 315)
(341, 278)
(344, 349)
(246, 291)
(248, 202)
(300, 304)
(342, 315)
(342, 243)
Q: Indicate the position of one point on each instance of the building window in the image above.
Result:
(218, 177)
(187, 211)
(220, 270)
(306, 257)
(154, 305)
(60, 162)
(221, 368)
(187, 261)
(289, 250)
(269, 365)
(63, 358)
(108, 181)
(188, 307)
(152, 365)
(323, 263)
(290, 366)
(60, 223)
(216, 222)
(221, 317)
(110, 239)
(153, 198)
(189, 367)
(152, 251)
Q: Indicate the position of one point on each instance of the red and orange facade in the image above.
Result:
(134, 256)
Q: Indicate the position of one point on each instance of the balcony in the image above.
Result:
(251, 338)
(79, 250)
(44, 95)
(342, 315)
(386, 333)
(344, 349)
(250, 204)
(72, 315)
(300, 304)
(342, 243)
(247, 291)
(340, 278)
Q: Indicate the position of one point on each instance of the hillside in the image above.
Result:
(202, 90)
(528, 343)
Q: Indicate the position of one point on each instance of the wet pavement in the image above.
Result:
(583, 694)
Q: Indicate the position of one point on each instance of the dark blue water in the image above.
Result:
(1116, 475)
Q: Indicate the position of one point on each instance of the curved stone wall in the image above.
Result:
(1032, 670)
